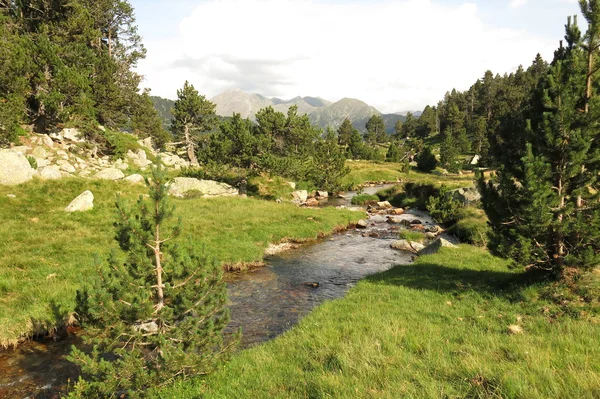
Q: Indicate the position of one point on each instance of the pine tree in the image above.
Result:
(193, 114)
(376, 130)
(449, 151)
(344, 132)
(426, 161)
(544, 211)
(145, 121)
(328, 165)
(409, 129)
(427, 123)
(155, 312)
(393, 153)
(398, 130)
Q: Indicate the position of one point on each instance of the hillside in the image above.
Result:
(163, 106)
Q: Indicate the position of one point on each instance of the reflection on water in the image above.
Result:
(267, 301)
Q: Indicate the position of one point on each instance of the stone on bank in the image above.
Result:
(188, 186)
(14, 168)
(84, 202)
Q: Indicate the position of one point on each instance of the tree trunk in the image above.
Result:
(160, 296)
(109, 43)
(190, 146)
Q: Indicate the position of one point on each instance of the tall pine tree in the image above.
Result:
(193, 115)
(544, 210)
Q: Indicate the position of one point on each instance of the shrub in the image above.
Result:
(471, 230)
(443, 207)
(426, 161)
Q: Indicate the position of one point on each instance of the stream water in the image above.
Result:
(264, 302)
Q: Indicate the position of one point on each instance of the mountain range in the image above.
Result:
(321, 112)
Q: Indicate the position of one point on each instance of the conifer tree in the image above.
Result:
(145, 121)
(376, 130)
(449, 151)
(426, 161)
(393, 153)
(344, 132)
(544, 211)
(156, 311)
(193, 114)
(409, 128)
(397, 130)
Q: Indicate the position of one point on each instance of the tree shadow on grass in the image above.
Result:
(436, 277)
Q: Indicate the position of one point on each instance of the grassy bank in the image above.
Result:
(44, 252)
(369, 171)
(438, 328)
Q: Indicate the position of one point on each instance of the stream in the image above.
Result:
(264, 302)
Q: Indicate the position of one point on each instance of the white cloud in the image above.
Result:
(395, 55)
(517, 3)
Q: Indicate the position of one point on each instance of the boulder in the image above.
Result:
(72, 135)
(396, 211)
(384, 205)
(184, 186)
(110, 174)
(322, 194)
(292, 185)
(466, 195)
(299, 197)
(435, 246)
(84, 202)
(312, 202)
(405, 245)
(50, 173)
(14, 168)
(66, 166)
(147, 143)
(135, 179)
(362, 224)
(394, 220)
(42, 162)
(69, 134)
(48, 142)
(21, 149)
(39, 152)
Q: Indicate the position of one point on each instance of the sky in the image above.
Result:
(395, 55)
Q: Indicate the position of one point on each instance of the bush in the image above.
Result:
(414, 195)
(443, 208)
(426, 161)
(471, 230)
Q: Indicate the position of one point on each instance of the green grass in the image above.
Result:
(369, 171)
(45, 252)
(362, 199)
(434, 329)
(409, 235)
(472, 228)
